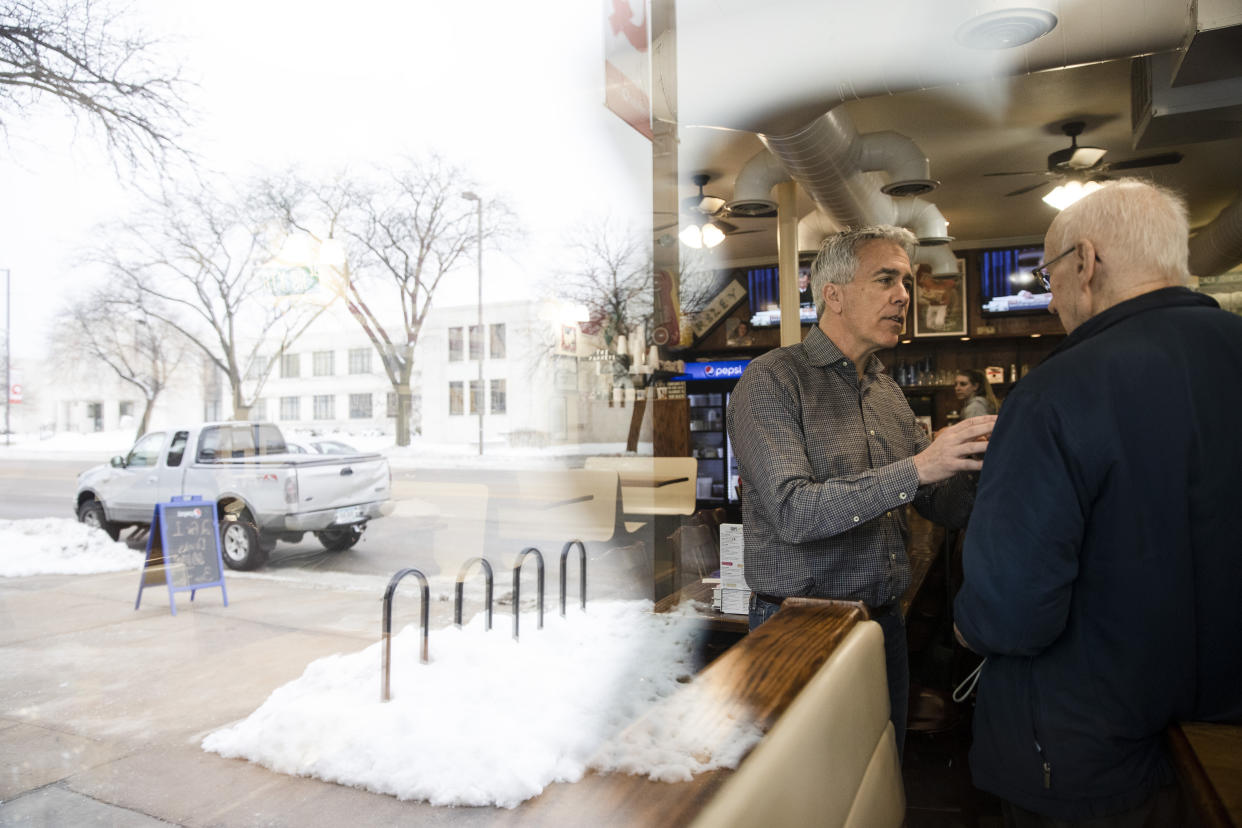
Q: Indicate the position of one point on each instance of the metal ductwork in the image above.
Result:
(1218, 246)
(832, 163)
(752, 190)
(941, 259)
(813, 228)
(908, 168)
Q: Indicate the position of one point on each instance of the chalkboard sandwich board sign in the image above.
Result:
(183, 549)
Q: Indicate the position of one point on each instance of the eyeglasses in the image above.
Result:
(1040, 272)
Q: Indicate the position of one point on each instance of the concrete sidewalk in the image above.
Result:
(102, 708)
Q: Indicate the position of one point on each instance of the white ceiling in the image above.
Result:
(969, 128)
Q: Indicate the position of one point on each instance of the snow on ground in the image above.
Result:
(489, 721)
(60, 546)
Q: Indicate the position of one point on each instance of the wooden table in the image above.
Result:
(1208, 761)
(751, 684)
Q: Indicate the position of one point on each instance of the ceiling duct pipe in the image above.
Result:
(1218, 246)
(813, 228)
(827, 157)
(752, 190)
(908, 169)
(941, 259)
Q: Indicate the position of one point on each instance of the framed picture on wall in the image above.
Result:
(940, 301)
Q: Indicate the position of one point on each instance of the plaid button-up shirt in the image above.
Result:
(825, 459)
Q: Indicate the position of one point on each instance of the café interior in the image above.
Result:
(774, 124)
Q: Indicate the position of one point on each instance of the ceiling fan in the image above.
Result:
(706, 213)
(1077, 163)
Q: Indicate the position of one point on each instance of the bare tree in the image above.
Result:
(404, 234)
(199, 261)
(611, 278)
(113, 326)
(81, 54)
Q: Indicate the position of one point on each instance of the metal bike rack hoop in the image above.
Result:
(487, 593)
(581, 573)
(517, 585)
(385, 693)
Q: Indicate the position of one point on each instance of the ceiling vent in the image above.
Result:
(1005, 28)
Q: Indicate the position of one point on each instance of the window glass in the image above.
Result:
(176, 450)
(456, 400)
(454, 337)
(475, 402)
(392, 404)
(359, 406)
(498, 396)
(324, 363)
(359, 360)
(497, 344)
(290, 365)
(325, 406)
(146, 452)
(476, 342)
(290, 408)
(271, 440)
(258, 410)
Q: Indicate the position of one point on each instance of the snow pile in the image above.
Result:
(60, 546)
(489, 721)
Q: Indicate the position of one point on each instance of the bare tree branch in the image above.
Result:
(79, 53)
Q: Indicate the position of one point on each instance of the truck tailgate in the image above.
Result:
(335, 481)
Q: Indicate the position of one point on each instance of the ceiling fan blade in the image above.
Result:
(1019, 172)
(744, 232)
(1158, 160)
(1028, 189)
(725, 226)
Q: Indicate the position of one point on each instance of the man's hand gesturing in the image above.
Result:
(955, 449)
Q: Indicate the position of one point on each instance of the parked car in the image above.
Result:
(263, 493)
(318, 446)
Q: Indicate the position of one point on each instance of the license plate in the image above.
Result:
(350, 514)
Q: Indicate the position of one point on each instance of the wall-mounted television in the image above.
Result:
(1006, 284)
(763, 290)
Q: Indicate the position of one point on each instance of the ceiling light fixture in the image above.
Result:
(1063, 195)
(701, 235)
(1005, 28)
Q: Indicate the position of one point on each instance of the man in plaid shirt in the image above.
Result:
(829, 450)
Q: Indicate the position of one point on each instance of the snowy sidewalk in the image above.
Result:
(103, 708)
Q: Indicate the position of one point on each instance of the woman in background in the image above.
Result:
(975, 393)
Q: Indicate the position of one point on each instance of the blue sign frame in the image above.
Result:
(178, 553)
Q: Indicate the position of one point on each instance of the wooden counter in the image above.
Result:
(753, 683)
(1208, 761)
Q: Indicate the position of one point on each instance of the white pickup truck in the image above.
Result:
(262, 492)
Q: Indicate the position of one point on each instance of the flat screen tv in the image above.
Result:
(1006, 284)
(763, 289)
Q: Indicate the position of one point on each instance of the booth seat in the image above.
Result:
(831, 759)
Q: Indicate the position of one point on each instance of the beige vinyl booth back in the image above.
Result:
(831, 759)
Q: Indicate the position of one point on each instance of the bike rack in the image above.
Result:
(487, 594)
(517, 585)
(385, 693)
(581, 573)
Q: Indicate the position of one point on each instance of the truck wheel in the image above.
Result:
(239, 543)
(341, 538)
(92, 514)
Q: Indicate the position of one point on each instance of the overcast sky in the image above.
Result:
(510, 91)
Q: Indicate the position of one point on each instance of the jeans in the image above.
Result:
(895, 657)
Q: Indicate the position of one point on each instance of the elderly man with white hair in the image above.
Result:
(1104, 555)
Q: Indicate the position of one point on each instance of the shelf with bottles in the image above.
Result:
(707, 445)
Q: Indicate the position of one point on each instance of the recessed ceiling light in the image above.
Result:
(1005, 28)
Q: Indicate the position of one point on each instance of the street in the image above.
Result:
(442, 518)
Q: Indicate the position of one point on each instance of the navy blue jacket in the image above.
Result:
(1103, 561)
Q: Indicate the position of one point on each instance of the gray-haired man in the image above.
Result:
(830, 451)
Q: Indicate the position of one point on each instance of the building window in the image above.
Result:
(289, 408)
(324, 364)
(325, 406)
(498, 396)
(125, 408)
(475, 393)
(359, 360)
(360, 406)
(456, 402)
(290, 365)
(476, 342)
(392, 404)
(454, 344)
(258, 410)
(497, 347)
(254, 370)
